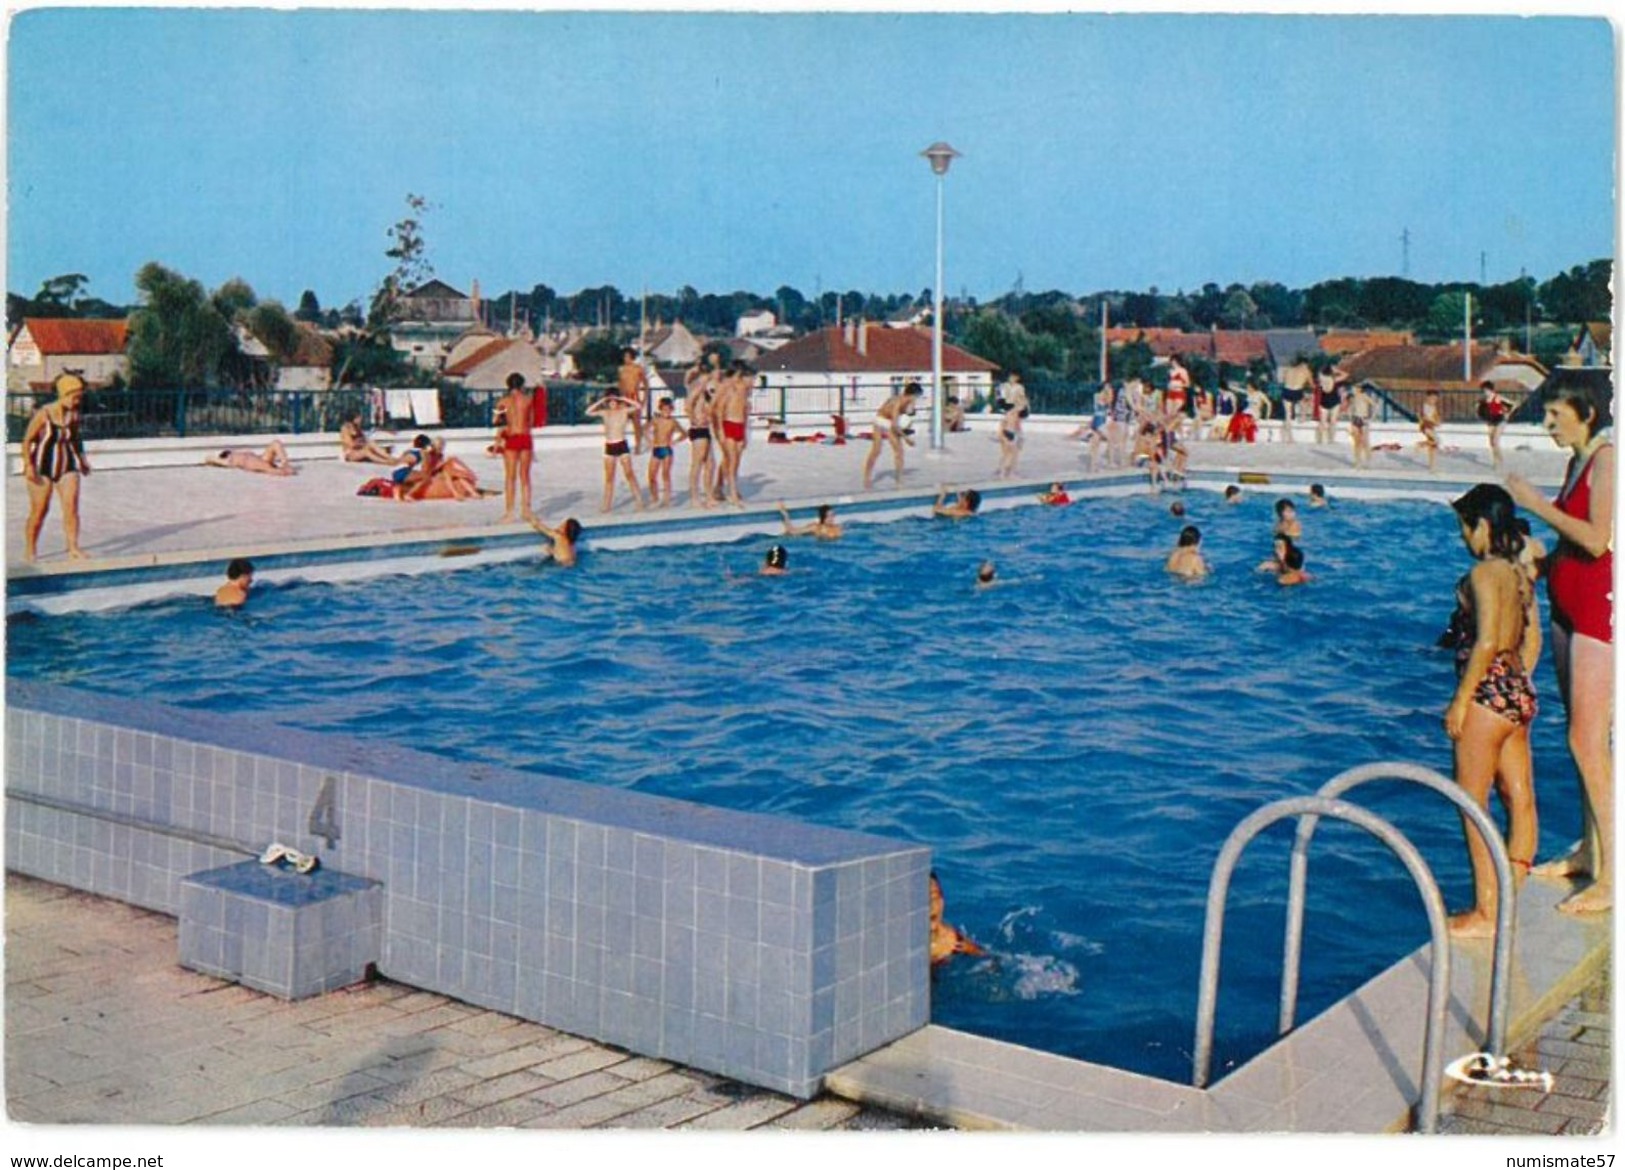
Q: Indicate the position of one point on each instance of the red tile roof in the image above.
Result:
(480, 356)
(1238, 347)
(889, 351)
(70, 335)
(1356, 341)
(1429, 366)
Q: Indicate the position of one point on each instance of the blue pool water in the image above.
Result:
(1073, 745)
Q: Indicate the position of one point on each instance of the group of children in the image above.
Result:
(1286, 560)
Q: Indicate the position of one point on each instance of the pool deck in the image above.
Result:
(95, 999)
(181, 509)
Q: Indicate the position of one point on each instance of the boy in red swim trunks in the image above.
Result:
(515, 409)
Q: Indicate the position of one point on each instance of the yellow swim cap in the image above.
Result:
(68, 384)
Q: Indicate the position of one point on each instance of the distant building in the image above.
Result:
(751, 324)
(430, 319)
(671, 345)
(1405, 373)
(488, 366)
(44, 347)
(310, 366)
(1596, 344)
(852, 369)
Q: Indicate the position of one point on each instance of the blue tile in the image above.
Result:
(561, 843)
(677, 1036)
(505, 943)
(590, 846)
(649, 861)
(481, 821)
(533, 834)
(561, 916)
(505, 905)
(505, 865)
(823, 888)
(744, 918)
(589, 964)
(620, 852)
(648, 937)
(590, 883)
(825, 969)
(505, 828)
(777, 884)
(590, 925)
(649, 897)
(621, 891)
(772, 1058)
(711, 871)
(617, 970)
(680, 864)
(679, 905)
(744, 877)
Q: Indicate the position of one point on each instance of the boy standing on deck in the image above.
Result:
(665, 433)
(515, 409)
(616, 412)
(632, 384)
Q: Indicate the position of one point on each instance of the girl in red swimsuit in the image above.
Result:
(1488, 719)
(1580, 586)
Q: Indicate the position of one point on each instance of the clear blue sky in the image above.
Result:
(737, 150)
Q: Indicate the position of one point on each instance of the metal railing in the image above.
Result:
(183, 412)
(1433, 902)
(1506, 905)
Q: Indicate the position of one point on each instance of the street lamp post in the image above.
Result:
(940, 155)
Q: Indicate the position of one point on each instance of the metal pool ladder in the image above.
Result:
(1309, 810)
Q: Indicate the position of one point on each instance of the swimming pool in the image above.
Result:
(1074, 745)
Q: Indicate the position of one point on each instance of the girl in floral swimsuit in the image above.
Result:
(1497, 645)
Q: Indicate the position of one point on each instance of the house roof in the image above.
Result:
(1239, 346)
(467, 365)
(1430, 365)
(888, 351)
(313, 349)
(1357, 340)
(71, 335)
(1287, 346)
(437, 290)
(1602, 335)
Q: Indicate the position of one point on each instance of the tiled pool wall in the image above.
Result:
(763, 949)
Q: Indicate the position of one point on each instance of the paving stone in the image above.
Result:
(823, 1113)
(744, 1114)
(579, 1088)
(489, 1090)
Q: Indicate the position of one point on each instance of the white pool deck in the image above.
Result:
(1351, 1070)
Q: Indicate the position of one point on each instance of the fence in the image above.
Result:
(178, 413)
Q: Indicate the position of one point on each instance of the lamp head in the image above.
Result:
(940, 154)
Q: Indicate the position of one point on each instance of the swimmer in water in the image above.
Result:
(1186, 559)
(777, 562)
(1286, 519)
(562, 548)
(986, 574)
(826, 527)
(1056, 496)
(946, 941)
(1291, 566)
(1232, 494)
(1317, 496)
(239, 578)
(1177, 509)
(963, 507)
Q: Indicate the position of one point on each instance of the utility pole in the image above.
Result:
(1405, 254)
(1482, 256)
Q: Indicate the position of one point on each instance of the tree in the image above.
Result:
(1581, 294)
(310, 309)
(1446, 314)
(598, 357)
(412, 267)
(62, 291)
(177, 335)
(276, 330)
(1240, 311)
(234, 299)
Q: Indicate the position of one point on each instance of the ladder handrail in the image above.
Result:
(1213, 932)
(1506, 906)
